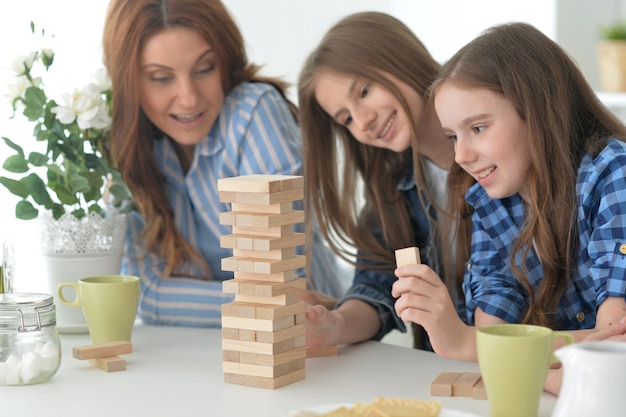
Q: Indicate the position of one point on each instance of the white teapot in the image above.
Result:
(594, 380)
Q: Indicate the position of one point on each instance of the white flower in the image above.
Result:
(23, 63)
(102, 82)
(87, 107)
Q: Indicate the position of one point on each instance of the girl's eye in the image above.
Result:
(452, 137)
(347, 121)
(365, 91)
(478, 129)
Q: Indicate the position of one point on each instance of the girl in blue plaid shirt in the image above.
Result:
(539, 188)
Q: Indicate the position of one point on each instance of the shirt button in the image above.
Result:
(469, 266)
(622, 249)
(580, 317)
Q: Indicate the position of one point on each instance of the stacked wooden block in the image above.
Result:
(263, 329)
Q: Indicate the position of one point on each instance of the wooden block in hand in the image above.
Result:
(408, 256)
(102, 350)
(110, 364)
(442, 385)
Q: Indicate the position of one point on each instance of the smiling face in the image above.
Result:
(181, 87)
(372, 114)
(490, 139)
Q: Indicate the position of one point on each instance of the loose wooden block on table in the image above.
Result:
(408, 256)
(459, 384)
(442, 385)
(478, 391)
(109, 364)
(463, 386)
(261, 183)
(102, 350)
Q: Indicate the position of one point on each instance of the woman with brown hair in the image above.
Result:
(376, 164)
(189, 109)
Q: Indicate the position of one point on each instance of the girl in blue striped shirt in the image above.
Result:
(188, 109)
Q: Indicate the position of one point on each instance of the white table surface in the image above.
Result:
(177, 372)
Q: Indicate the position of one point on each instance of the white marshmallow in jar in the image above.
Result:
(30, 349)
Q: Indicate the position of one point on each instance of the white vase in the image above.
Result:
(74, 249)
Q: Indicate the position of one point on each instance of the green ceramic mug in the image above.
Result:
(109, 303)
(514, 360)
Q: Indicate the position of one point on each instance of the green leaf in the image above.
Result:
(37, 159)
(16, 164)
(15, 187)
(38, 191)
(17, 148)
(25, 210)
(35, 100)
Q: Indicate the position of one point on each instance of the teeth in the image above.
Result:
(386, 129)
(187, 118)
(484, 173)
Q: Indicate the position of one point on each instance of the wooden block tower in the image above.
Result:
(263, 330)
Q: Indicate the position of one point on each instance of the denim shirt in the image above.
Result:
(489, 282)
(374, 286)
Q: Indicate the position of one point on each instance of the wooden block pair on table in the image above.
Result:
(459, 384)
(105, 355)
(263, 330)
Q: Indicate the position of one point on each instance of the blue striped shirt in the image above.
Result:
(601, 195)
(254, 133)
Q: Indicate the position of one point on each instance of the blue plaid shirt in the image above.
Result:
(601, 194)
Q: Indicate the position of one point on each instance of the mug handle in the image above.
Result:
(568, 338)
(73, 303)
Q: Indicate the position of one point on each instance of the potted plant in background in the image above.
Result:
(64, 178)
(612, 57)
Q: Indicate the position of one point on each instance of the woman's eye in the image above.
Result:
(478, 129)
(207, 69)
(160, 80)
(347, 121)
(452, 137)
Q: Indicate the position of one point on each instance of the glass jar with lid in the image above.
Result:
(30, 349)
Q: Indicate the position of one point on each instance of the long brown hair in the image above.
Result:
(129, 24)
(565, 121)
(368, 45)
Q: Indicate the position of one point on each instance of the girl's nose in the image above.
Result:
(364, 119)
(463, 151)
